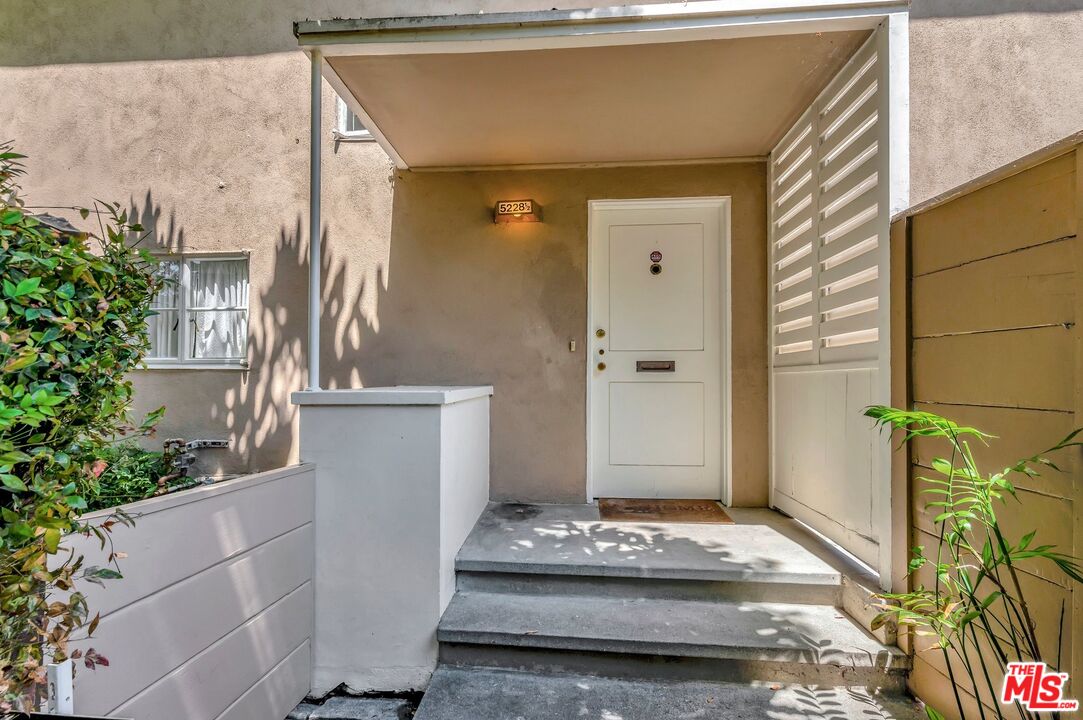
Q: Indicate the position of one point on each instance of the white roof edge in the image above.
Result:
(316, 32)
(396, 395)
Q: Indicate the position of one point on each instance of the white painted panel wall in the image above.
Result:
(834, 183)
(213, 618)
(824, 464)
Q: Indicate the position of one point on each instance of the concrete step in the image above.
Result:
(470, 693)
(674, 639)
(552, 582)
(567, 550)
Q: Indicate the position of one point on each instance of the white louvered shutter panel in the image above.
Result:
(793, 246)
(828, 220)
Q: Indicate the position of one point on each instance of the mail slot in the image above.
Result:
(656, 365)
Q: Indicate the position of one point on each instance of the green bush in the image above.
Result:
(73, 311)
(131, 473)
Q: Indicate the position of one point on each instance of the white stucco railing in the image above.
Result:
(213, 618)
(402, 474)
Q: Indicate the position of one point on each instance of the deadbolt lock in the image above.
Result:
(601, 366)
(600, 333)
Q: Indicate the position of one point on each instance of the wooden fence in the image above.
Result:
(986, 302)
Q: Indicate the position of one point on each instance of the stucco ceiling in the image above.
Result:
(626, 103)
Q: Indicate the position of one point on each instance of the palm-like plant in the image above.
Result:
(976, 611)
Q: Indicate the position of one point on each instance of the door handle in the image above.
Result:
(656, 366)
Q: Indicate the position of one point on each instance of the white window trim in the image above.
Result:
(340, 133)
(183, 330)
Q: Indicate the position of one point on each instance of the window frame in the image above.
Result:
(184, 334)
(342, 114)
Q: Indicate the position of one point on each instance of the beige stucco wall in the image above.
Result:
(990, 81)
(195, 114)
(200, 125)
(206, 163)
(463, 300)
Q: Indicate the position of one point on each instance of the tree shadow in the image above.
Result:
(251, 407)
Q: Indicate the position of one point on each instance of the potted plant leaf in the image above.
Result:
(976, 611)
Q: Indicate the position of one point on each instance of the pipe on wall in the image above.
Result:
(315, 123)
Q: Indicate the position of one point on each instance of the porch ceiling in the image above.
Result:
(674, 101)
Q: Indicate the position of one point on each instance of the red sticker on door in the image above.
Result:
(656, 256)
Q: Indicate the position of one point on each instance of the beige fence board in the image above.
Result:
(147, 639)
(1023, 289)
(1045, 601)
(1019, 434)
(1077, 599)
(931, 655)
(210, 682)
(988, 270)
(1050, 516)
(934, 688)
(1030, 208)
(1017, 368)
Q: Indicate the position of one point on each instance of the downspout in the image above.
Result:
(314, 147)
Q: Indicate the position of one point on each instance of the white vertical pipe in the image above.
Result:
(314, 147)
(893, 50)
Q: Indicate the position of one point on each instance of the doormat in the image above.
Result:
(674, 511)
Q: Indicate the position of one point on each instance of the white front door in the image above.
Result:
(655, 340)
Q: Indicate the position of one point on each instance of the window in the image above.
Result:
(350, 126)
(202, 312)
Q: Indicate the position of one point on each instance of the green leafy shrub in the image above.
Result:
(131, 473)
(73, 311)
(976, 612)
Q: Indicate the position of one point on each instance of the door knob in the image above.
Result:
(600, 333)
(601, 366)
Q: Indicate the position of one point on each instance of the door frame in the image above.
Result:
(722, 205)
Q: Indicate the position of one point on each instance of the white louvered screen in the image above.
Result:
(828, 215)
(794, 275)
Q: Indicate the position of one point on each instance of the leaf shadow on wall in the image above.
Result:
(252, 408)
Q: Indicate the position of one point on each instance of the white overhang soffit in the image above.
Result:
(678, 82)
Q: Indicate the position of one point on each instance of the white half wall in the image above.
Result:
(213, 617)
(402, 476)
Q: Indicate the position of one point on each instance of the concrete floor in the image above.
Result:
(763, 544)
